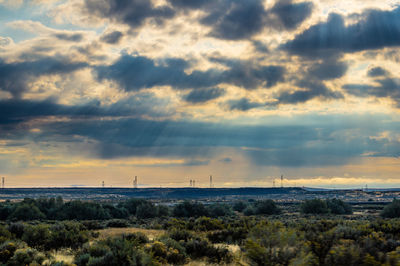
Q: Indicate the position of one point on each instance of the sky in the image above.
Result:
(174, 90)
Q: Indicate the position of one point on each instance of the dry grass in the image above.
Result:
(112, 232)
(64, 255)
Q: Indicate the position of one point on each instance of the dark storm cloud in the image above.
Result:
(14, 77)
(249, 75)
(137, 72)
(193, 4)
(14, 111)
(133, 13)
(310, 90)
(236, 20)
(387, 88)
(260, 47)
(74, 37)
(204, 95)
(312, 85)
(112, 37)
(375, 29)
(132, 136)
(243, 104)
(291, 15)
(377, 71)
(328, 70)
(326, 143)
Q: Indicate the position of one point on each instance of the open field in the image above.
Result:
(284, 195)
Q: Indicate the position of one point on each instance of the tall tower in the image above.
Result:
(135, 182)
(191, 183)
(273, 183)
(194, 183)
(281, 181)
(3, 180)
(211, 184)
(102, 184)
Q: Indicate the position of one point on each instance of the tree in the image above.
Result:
(392, 210)
(266, 207)
(337, 206)
(239, 206)
(189, 209)
(314, 206)
(27, 212)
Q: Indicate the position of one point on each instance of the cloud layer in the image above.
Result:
(239, 87)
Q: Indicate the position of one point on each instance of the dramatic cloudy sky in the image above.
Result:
(173, 90)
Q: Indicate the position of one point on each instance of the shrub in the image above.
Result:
(207, 224)
(266, 207)
(16, 229)
(314, 206)
(239, 206)
(177, 253)
(37, 236)
(67, 234)
(113, 251)
(180, 235)
(217, 210)
(7, 250)
(231, 235)
(337, 206)
(27, 212)
(132, 204)
(138, 238)
(78, 210)
(28, 256)
(163, 211)
(189, 209)
(119, 223)
(249, 211)
(146, 210)
(392, 210)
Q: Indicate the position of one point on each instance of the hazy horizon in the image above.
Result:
(173, 90)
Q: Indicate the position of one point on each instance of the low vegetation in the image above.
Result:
(140, 232)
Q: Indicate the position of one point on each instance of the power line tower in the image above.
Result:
(281, 181)
(211, 182)
(191, 183)
(194, 183)
(3, 180)
(135, 182)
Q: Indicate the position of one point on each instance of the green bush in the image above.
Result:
(392, 210)
(207, 224)
(239, 206)
(7, 250)
(113, 252)
(189, 209)
(26, 212)
(314, 206)
(218, 210)
(137, 238)
(37, 236)
(266, 207)
(17, 229)
(337, 206)
(27, 256)
(118, 223)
